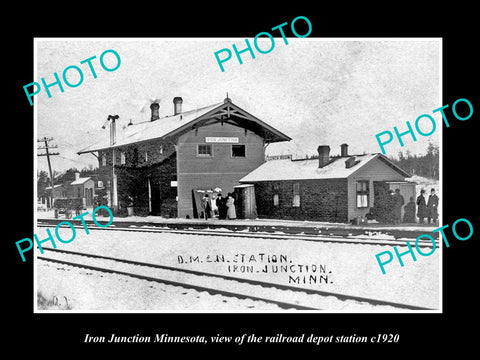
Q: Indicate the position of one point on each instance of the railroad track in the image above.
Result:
(242, 288)
(119, 226)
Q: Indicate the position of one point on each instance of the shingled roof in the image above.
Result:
(287, 169)
(175, 125)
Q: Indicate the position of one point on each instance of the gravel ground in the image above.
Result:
(348, 269)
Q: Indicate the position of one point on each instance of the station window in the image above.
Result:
(122, 158)
(276, 197)
(238, 150)
(296, 195)
(275, 200)
(204, 150)
(104, 160)
(362, 193)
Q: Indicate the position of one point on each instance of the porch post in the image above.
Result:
(149, 196)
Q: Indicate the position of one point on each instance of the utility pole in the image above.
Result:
(48, 154)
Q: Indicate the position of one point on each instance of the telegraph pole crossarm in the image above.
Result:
(48, 154)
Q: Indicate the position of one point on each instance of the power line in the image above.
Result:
(48, 154)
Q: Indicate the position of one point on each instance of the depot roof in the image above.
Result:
(175, 125)
(288, 169)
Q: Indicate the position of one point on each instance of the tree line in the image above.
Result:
(426, 165)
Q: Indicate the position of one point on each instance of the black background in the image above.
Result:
(63, 334)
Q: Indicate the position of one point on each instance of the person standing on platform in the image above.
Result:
(390, 207)
(409, 216)
(231, 213)
(422, 206)
(222, 208)
(206, 207)
(398, 202)
(432, 207)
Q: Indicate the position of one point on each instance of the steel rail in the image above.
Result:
(258, 235)
(341, 297)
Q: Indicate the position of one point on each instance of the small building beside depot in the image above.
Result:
(341, 188)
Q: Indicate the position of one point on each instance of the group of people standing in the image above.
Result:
(224, 207)
(427, 209)
(389, 210)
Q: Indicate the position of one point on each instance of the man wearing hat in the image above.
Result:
(432, 206)
(221, 203)
(422, 206)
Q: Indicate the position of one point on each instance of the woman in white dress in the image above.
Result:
(231, 213)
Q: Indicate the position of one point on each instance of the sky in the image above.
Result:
(317, 91)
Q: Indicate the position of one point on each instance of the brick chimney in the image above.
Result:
(77, 176)
(154, 107)
(344, 150)
(177, 105)
(323, 155)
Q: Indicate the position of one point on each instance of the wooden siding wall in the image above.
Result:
(376, 170)
(221, 170)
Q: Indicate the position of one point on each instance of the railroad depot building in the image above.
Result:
(335, 189)
(163, 166)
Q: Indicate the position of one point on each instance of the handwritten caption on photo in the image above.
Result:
(264, 264)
